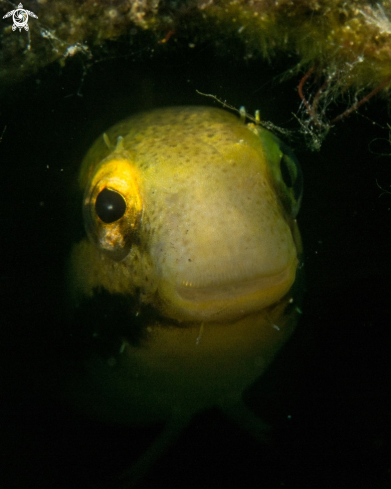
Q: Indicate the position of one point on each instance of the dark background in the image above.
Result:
(327, 395)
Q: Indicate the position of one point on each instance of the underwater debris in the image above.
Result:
(244, 115)
(378, 18)
(317, 120)
(167, 38)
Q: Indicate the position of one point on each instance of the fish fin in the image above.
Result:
(168, 436)
(244, 417)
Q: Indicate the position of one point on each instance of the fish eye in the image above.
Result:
(110, 206)
(291, 173)
(285, 170)
(292, 177)
(290, 169)
(285, 173)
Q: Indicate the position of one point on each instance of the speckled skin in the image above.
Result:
(206, 242)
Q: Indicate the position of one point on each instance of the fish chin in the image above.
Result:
(226, 301)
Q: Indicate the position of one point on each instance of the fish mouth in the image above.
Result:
(228, 301)
(234, 290)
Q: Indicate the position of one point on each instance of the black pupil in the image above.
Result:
(110, 206)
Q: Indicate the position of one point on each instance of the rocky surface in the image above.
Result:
(336, 45)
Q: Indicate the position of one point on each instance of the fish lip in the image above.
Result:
(236, 290)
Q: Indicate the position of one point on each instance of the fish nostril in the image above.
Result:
(110, 206)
